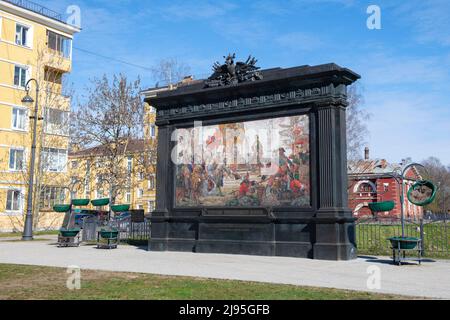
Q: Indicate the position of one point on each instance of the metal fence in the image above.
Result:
(32, 6)
(129, 231)
(372, 235)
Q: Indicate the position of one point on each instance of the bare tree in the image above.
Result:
(357, 117)
(170, 71)
(111, 121)
(440, 175)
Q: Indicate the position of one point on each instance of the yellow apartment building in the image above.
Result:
(87, 171)
(35, 42)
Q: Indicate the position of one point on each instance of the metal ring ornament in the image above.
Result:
(418, 187)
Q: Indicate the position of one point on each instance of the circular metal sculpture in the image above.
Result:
(422, 193)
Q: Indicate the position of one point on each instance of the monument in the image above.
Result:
(254, 162)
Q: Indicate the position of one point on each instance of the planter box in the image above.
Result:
(100, 202)
(404, 243)
(80, 202)
(62, 208)
(382, 206)
(120, 208)
(69, 233)
(109, 234)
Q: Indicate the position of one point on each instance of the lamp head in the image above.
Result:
(28, 100)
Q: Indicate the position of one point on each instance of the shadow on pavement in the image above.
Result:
(390, 261)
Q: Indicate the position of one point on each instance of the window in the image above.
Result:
(60, 44)
(55, 160)
(130, 164)
(22, 34)
(87, 181)
(87, 188)
(100, 192)
(51, 196)
(151, 183)
(88, 167)
(99, 163)
(140, 193)
(152, 131)
(14, 200)
(56, 122)
(16, 159)
(128, 197)
(73, 187)
(20, 76)
(19, 119)
(365, 188)
(151, 206)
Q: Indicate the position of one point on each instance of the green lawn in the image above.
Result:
(31, 282)
(19, 235)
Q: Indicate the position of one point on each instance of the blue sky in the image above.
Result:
(404, 66)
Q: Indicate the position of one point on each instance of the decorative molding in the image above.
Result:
(372, 185)
(11, 214)
(298, 96)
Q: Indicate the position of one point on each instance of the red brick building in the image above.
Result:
(369, 181)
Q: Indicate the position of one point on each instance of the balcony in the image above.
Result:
(37, 8)
(55, 100)
(52, 59)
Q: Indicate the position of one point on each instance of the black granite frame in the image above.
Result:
(323, 231)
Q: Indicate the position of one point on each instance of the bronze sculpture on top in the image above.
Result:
(232, 73)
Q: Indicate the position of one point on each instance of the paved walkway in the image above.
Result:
(432, 279)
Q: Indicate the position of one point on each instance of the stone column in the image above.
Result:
(159, 226)
(334, 222)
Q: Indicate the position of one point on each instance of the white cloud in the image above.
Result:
(291, 7)
(429, 20)
(196, 9)
(300, 41)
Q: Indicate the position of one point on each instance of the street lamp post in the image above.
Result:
(28, 101)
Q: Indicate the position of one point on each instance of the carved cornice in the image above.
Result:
(320, 96)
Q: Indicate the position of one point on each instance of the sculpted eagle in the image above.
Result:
(232, 73)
